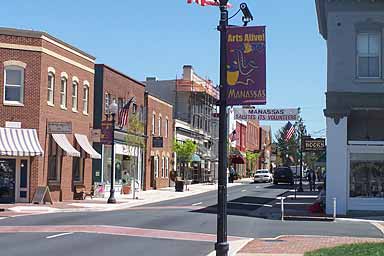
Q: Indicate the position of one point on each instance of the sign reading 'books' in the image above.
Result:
(310, 144)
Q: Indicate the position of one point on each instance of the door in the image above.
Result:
(152, 172)
(22, 181)
(7, 180)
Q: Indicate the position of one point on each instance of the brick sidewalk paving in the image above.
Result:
(297, 245)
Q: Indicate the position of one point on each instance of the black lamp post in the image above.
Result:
(301, 129)
(113, 108)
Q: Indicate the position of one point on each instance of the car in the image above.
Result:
(283, 175)
(263, 176)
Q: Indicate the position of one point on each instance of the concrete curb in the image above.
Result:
(234, 247)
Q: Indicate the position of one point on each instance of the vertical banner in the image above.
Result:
(246, 66)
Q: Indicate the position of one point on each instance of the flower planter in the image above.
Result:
(126, 190)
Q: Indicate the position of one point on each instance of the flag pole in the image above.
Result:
(222, 245)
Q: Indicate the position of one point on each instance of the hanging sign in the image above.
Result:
(106, 135)
(290, 114)
(246, 66)
(309, 144)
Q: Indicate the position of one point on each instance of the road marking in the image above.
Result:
(59, 235)
(196, 204)
(244, 190)
(1, 218)
(264, 205)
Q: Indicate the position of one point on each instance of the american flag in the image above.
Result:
(232, 136)
(123, 114)
(290, 129)
(207, 2)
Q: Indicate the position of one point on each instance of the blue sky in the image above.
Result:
(156, 38)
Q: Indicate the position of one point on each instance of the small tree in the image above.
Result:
(184, 152)
(251, 158)
(135, 131)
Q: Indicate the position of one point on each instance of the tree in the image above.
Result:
(135, 134)
(251, 158)
(184, 152)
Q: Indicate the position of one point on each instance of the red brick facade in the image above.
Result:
(40, 52)
(157, 109)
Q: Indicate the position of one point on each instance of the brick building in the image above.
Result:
(160, 132)
(46, 104)
(112, 85)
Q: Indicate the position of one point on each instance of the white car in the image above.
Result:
(263, 176)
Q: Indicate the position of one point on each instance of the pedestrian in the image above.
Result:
(311, 176)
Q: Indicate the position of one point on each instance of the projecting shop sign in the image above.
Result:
(291, 114)
(246, 71)
(310, 144)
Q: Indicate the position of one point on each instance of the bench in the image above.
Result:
(81, 193)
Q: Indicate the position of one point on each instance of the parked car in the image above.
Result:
(263, 176)
(283, 175)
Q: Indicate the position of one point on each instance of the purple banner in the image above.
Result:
(106, 132)
(246, 66)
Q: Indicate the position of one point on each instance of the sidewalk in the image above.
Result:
(100, 204)
(297, 245)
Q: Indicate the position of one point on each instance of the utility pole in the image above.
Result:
(222, 245)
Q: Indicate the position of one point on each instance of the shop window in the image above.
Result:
(156, 166)
(166, 166)
(78, 169)
(54, 162)
(369, 54)
(163, 167)
(367, 176)
(63, 93)
(51, 88)
(13, 85)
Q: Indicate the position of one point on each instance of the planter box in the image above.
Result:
(126, 190)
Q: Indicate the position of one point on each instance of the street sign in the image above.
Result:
(290, 114)
(157, 142)
(106, 132)
(59, 127)
(309, 144)
(246, 66)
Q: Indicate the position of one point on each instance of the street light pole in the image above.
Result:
(301, 160)
(113, 111)
(222, 245)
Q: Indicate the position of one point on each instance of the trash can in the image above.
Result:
(179, 186)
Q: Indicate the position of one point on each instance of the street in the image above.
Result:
(184, 226)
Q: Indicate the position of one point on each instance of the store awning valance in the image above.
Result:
(237, 159)
(19, 142)
(84, 144)
(65, 145)
(196, 158)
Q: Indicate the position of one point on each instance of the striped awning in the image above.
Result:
(65, 145)
(19, 142)
(84, 144)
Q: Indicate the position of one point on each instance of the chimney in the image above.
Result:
(151, 78)
(187, 72)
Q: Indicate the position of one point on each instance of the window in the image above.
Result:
(368, 55)
(156, 166)
(166, 128)
(134, 108)
(13, 85)
(54, 162)
(160, 125)
(75, 85)
(153, 124)
(85, 98)
(166, 166)
(120, 104)
(63, 93)
(107, 102)
(51, 88)
(163, 167)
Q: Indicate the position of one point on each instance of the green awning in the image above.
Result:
(196, 158)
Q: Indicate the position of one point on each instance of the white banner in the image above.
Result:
(290, 114)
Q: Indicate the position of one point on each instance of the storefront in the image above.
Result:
(17, 148)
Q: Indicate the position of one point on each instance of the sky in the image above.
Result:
(156, 38)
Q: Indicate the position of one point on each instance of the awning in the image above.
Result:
(84, 144)
(237, 159)
(196, 158)
(19, 142)
(65, 145)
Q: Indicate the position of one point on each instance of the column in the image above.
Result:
(337, 172)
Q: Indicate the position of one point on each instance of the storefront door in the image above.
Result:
(7, 180)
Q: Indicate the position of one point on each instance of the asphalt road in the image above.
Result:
(189, 216)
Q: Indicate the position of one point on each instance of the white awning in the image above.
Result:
(19, 142)
(65, 145)
(84, 144)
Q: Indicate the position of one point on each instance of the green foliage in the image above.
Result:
(250, 156)
(135, 131)
(184, 151)
(364, 249)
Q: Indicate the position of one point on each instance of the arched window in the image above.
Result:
(51, 88)
(75, 86)
(13, 85)
(63, 92)
(85, 98)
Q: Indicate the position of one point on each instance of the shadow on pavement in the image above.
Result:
(243, 206)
